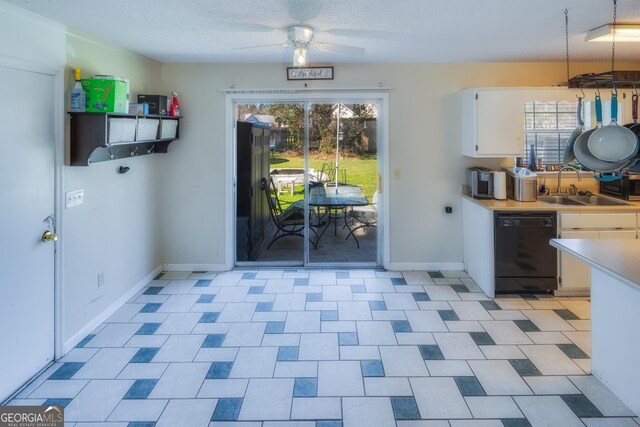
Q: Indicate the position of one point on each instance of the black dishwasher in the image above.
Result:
(524, 260)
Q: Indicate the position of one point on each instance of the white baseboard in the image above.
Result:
(572, 292)
(195, 267)
(79, 336)
(425, 266)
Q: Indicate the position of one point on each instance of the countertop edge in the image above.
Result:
(558, 243)
(512, 205)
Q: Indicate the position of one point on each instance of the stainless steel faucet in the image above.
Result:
(560, 175)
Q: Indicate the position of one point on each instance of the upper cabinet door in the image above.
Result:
(492, 122)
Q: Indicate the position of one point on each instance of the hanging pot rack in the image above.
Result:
(614, 79)
(608, 79)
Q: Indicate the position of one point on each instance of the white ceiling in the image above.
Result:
(390, 30)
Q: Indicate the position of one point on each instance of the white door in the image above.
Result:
(26, 200)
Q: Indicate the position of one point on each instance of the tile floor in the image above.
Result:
(346, 348)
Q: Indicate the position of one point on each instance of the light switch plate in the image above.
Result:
(74, 198)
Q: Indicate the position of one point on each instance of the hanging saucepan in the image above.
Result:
(568, 151)
(634, 113)
(634, 127)
(613, 143)
(583, 154)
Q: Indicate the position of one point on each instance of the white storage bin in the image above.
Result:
(121, 130)
(169, 129)
(147, 129)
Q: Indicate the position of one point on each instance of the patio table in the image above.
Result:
(336, 200)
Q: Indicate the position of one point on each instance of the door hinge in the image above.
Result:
(476, 96)
(559, 279)
(476, 148)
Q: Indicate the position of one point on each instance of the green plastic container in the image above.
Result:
(105, 96)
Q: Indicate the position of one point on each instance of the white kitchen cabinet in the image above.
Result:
(477, 231)
(597, 221)
(575, 275)
(492, 122)
(618, 234)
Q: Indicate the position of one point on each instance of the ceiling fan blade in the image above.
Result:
(238, 26)
(261, 46)
(339, 48)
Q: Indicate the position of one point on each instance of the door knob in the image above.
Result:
(48, 236)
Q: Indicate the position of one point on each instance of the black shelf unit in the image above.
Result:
(93, 140)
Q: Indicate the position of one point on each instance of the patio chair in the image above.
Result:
(363, 216)
(288, 222)
(328, 173)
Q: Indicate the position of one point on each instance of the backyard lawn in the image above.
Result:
(361, 170)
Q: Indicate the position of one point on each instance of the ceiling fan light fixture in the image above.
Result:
(623, 32)
(300, 56)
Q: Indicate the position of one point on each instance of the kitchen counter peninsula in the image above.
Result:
(615, 312)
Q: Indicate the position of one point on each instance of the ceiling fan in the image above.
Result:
(301, 39)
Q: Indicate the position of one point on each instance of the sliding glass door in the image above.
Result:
(307, 183)
(343, 177)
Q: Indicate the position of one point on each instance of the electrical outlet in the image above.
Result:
(100, 279)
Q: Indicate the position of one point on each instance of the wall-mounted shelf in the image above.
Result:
(100, 137)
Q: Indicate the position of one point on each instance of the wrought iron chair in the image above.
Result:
(288, 221)
(328, 173)
(364, 216)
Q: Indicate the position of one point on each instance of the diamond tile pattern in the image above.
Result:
(332, 348)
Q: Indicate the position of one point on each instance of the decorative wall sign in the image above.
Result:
(309, 73)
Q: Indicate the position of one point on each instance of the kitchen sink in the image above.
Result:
(581, 201)
(560, 200)
(599, 201)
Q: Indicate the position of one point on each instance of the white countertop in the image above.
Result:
(618, 258)
(507, 205)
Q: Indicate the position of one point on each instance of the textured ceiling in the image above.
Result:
(389, 30)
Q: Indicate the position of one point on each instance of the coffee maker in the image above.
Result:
(480, 181)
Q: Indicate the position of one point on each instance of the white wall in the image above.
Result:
(116, 230)
(424, 146)
(31, 37)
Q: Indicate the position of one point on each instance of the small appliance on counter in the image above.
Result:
(480, 181)
(500, 185)
(626, 188)
(522, 185)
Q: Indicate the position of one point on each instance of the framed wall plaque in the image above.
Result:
(309, 73)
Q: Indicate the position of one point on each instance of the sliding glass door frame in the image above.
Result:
(234, 98)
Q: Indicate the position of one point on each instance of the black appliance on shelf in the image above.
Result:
(627, 188)
(524, 260)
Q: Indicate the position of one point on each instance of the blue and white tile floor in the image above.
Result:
(339, 348)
